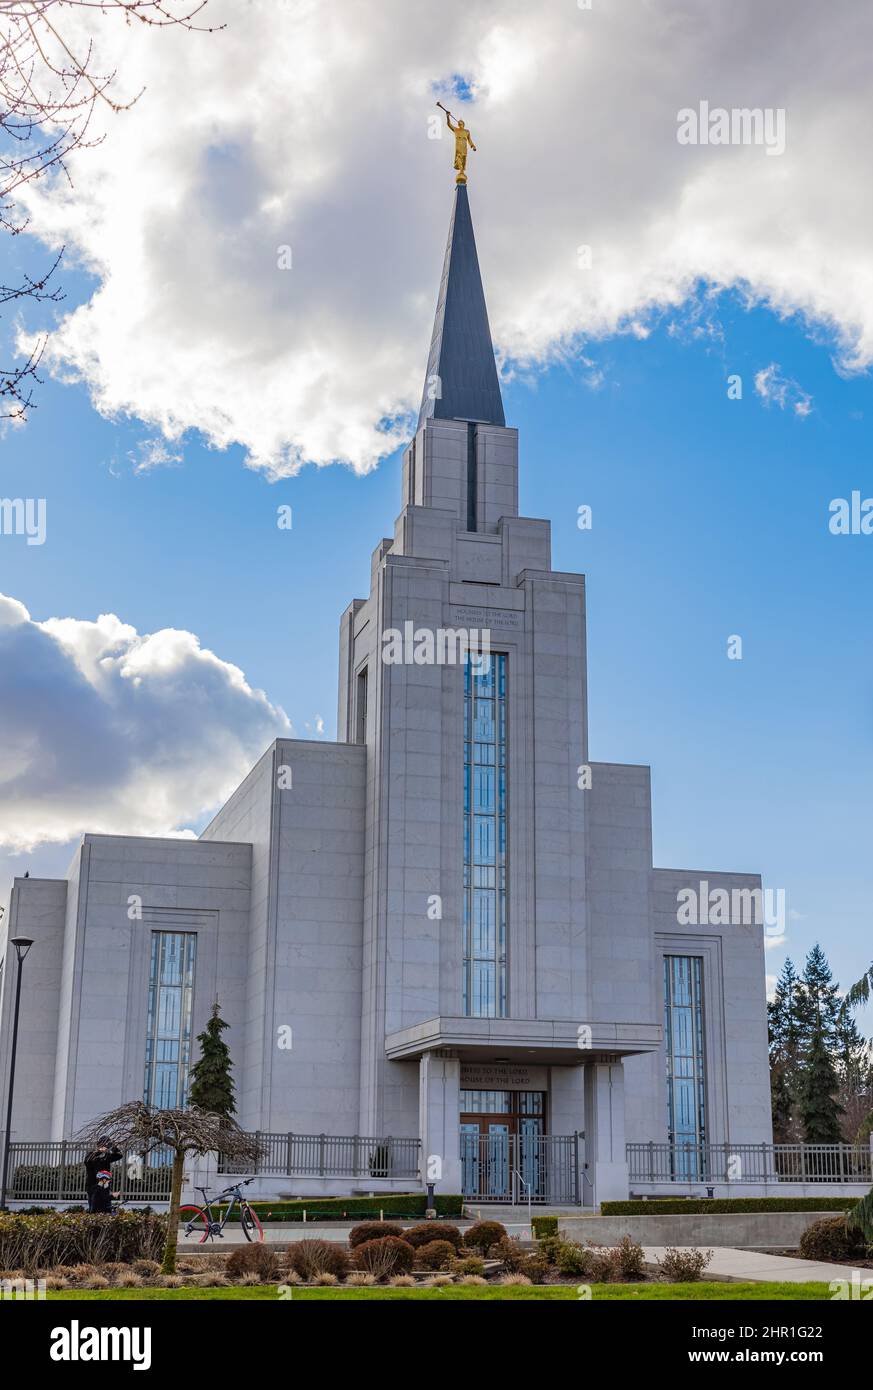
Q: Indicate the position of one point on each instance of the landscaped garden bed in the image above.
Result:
(78, 1252)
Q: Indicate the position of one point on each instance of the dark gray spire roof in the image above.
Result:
(461, 354)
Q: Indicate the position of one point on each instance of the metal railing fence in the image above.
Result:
(333, 1156)
(517, 1168)
(54, 1171)
(749, 1163)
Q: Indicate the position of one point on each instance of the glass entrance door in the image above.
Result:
(497, 1162)
(502, 1134)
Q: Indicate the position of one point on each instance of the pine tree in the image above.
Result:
(212, 1084)
(819, 1000)
(818, 1108)
(786, 1051)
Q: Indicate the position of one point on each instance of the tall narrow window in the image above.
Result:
(168, 1041)
(361, 707)
(686, 1074)
(485, 838)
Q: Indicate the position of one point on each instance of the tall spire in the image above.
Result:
(461, 381)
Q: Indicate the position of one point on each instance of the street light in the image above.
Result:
(22, 945)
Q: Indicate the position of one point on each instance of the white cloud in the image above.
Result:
(772, 943)
(154, 453)
(776, 389)
(106, 730)
(305, 125)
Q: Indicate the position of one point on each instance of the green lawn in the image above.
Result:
(705, 1291)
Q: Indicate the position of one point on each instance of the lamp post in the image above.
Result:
(22, 945)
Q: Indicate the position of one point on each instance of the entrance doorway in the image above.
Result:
(501, 1140)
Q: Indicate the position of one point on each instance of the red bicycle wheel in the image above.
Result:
(193, 1224)
(252, 1228)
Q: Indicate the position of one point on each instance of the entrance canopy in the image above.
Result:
(524, 1040)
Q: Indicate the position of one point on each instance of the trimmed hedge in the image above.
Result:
(544, 1226)
(723, 1206)
(395, 1205)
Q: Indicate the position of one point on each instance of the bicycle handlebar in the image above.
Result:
(225, 1190)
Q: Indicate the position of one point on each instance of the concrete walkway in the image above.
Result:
(750, 1266)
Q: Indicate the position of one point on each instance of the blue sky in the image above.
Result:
(710, 518)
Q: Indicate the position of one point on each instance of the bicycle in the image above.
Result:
(200, 1222)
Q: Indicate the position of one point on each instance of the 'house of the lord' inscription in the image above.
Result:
(499, 1076)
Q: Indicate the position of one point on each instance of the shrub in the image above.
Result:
(429, 1231)
(510, 1253)
(147, 1268)
(483, 1234)
(360, 1279)
(551, 1246)
(571, 1259)
(629, 1259)
(309, 1258)
(832, 1239)
(544, 1226)
(470, 1264)
(437, 1254)
(514, 1279)
(684, 1266)
(602, 1264)
(375, 1230)
(42, 1242)
(409, 1206)
(440, 1281)
(536, 1267)
(402, 1281)
(473, 1279)
(253, 1259)
(386, 1256)
(325, 1281)
(721, 1206)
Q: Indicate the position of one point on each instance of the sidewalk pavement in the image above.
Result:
(751, 1266)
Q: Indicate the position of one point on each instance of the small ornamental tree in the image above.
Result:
(211, 1080)
(141, 1128)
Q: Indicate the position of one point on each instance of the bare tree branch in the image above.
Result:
(49, 92)
(142, 1129)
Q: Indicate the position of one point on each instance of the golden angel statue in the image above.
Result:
(463, 139)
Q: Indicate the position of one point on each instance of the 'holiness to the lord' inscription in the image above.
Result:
(487, 617)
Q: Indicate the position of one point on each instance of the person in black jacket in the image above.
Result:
(97, 1161)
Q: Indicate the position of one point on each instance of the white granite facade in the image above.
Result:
(312, 893)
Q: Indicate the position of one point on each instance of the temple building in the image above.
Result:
(440, 942)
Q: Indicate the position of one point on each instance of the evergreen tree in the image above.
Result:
(819, 1001)
(212, 1084)
(786, 1053)
(818, 1108)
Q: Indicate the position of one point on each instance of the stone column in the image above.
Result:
(605, 1152)
(439, 1108)
(566, 1100)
